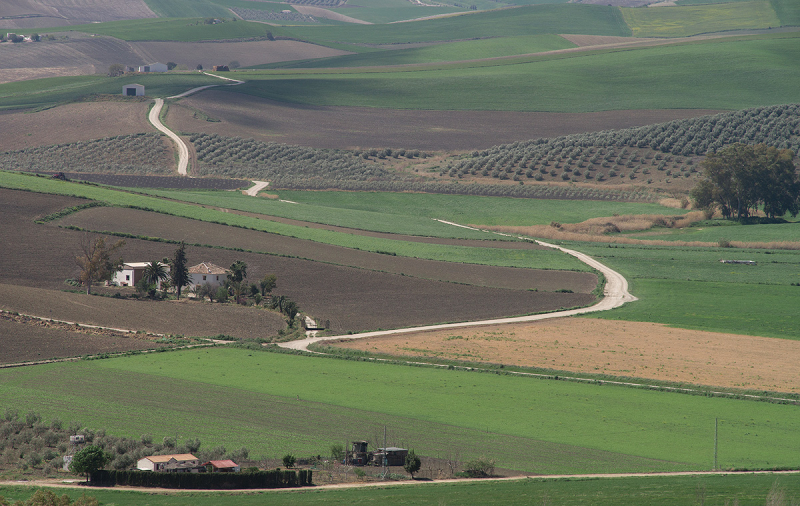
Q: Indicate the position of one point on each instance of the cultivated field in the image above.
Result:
(623, 349)
(360, 127)
(47, 13)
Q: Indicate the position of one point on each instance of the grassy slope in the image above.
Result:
(529, 20)
(746, 490)
(56, 90)
(788, 11)
(540, 259)
(477, 210)
(717, 74)
(669, 427)
(690, 288)
(718, 229)
(452, 51)
(172, 29)
(682, 21)
(387, 11)
(187, 9)
(414, 213)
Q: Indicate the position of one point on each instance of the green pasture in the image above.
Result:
(387, 11)
(249, 4)
(176, 29)
(690, 288)
(414, 213)
(745, 490)
(188, 8)
(464, 209)
(715, 74)
(451, 51)
(713, 231)
(539, 259)
(788, 11)
(686, 20)
(52, 91)
(274, 403)
(527, 20)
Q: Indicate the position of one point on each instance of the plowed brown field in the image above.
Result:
(616, 348)
(354, 127)
(135, 222)
(73, 123)
(42, 256)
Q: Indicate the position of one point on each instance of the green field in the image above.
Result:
(717, 74)
(746, 490)
(274, 403)
(52, 91)
(187, 8)
(387, 11)
(689, 288)
(452, 51)
(414, 213)
(683, 20)
(713, 231)
(528, 20)
(176, 29)
(788, 11)
(539, 259)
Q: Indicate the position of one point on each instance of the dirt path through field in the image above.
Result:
(615, 294)
(257, 187)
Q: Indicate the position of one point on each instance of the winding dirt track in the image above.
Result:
(615, 295)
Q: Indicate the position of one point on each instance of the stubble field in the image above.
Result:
(627, 349)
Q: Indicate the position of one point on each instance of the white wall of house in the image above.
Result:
(153, 67)
(132, 272)
(214, 280)
(145, 464)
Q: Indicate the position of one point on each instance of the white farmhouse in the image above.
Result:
(206, 273)
(132, 272)
(153, 67)
(162, 463)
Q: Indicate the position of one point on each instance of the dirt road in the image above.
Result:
(615, 295)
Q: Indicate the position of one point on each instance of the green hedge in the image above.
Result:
(261, 479)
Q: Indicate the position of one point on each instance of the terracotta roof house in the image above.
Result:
(206, 272)
(222, 466)
(182, 462)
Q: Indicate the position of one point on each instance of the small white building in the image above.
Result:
(162, 463)
(153, 67)
(132, 272)
(133, 90)
(206, 273)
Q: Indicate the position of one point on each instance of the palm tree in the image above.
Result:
(154, 273)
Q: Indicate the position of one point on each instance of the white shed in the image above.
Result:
(133, 90)
(153, 67)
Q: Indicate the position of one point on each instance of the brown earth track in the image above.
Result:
(26, 341)
(615, 348)
(86, 121)
(355, 127)
(135, 222)
(38, 258)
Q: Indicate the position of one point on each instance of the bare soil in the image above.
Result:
(616, 348)
(27, 339)
(358, 127)
(73, 122)
(38, 258)
(132, 221)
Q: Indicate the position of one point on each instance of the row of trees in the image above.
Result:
(741, 179)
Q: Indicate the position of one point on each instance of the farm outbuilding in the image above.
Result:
(206, 273)
(184, 462)
(133, 90)
(132, 272)
(222, 466)
(153, 67)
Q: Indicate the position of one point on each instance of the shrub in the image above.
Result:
(289, 460)
(479, 468)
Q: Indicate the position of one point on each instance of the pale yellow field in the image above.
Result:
(633, 349)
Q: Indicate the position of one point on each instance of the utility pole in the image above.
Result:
(385, 456)
(716, 434)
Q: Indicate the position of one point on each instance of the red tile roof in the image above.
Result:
(221, 463)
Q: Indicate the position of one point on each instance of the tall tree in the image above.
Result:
(238, 271)
(95, 261)
(268, 284)
(740, 178)
(154, 273)
(412, 463)
(178, 271)
(89, 460)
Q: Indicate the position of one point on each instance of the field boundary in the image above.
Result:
(615, 294)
